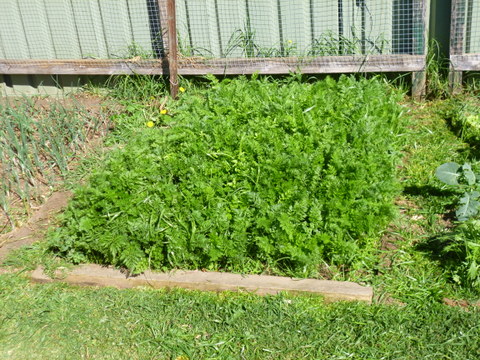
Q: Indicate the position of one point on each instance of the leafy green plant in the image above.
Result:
(244, 42)
(466, 245)
(330, 43)
(249, 175)
(458, 253)
(464, 116)
(465, 180)
(141, 101)
(461, 247)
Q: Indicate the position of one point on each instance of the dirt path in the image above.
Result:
(36, 226)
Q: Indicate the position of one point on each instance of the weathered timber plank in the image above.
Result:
(96, 275)
(201, 66)
(466, 62)
(81, 67)
(320, 65)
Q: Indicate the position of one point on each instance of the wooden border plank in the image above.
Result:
(96, 275)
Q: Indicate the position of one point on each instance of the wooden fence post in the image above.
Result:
(421, 10)
(456, 45)
(172, 48)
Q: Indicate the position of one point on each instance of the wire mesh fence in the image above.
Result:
(465, 36)
(282, 28)
(216, 36)
(311, 35)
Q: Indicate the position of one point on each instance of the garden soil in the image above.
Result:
(34, 229)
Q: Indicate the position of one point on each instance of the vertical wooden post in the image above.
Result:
(172, 48)
(419, 78)
(456, 43)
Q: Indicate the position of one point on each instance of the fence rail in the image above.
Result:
(108, 37)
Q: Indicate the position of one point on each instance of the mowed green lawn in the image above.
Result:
(55, 321)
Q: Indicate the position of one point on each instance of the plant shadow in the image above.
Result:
(428, 190)
(444, 249)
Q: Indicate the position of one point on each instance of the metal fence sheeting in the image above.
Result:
(272, 36)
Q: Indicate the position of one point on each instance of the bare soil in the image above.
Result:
(36, 226)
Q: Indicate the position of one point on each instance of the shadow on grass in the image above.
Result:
(444, 248)
(428, 190)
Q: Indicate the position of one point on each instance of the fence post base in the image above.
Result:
(455, 80)
(419, 83)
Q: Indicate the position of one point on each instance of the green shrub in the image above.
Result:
(460, 248)
(249, 175)
(464, 180)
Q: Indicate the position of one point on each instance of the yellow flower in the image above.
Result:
(290, 41)
(150, 124)
(163, 111)
(181, 89)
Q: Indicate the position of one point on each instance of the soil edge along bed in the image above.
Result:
(36, 226)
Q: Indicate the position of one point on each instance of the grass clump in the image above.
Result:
(250, 175)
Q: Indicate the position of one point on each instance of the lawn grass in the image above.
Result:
(55, 321)
(407, 271)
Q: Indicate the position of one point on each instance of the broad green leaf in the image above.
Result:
(469, 206)
(469, 174)
(448, 173)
